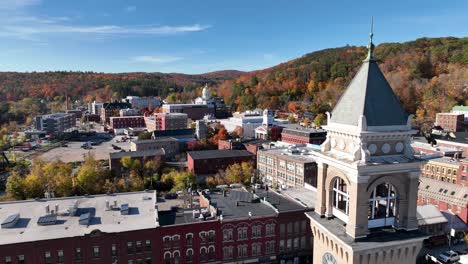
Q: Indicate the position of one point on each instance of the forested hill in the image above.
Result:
(16, 86)
(428, 74)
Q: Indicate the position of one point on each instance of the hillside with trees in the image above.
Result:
(429, 75)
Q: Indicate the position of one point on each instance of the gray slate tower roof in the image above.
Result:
(369, 94)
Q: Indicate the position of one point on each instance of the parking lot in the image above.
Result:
(74, 153)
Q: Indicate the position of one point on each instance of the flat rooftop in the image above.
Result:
(231, 209)
(378, 238)
(141, 215)
(293, 153)
(179, 216)
(224, 153)
(302, 195)
(137, 154)
(280, 201)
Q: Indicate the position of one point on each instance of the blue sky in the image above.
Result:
(196, 36)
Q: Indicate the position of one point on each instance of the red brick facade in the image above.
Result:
(450, 121)
(127, 122)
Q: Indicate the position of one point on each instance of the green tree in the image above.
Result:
(320, 120)
(16, 186)
(91, 176)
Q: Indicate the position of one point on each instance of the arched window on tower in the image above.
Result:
(382, 206)
(340, 199)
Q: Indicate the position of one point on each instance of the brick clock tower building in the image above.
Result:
(367, 178)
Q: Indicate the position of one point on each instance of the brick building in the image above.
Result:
(118, 122)
(109, 110)
(450, 121)
(442, 169)
(193, 111)
(287, 167)
(170, 121)
(302, 135)
(141, 228)
(251, 145)
(211, 161)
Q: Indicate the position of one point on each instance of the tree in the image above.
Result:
(15, 186)
(145, 135)
(306, 122)
(91, 176)
(239, 173)
(319, 120)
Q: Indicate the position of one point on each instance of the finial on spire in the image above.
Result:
(370, 47)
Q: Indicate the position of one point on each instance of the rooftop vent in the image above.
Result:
(11, 221)
(85, 219)
(47, 220)
(124, 209)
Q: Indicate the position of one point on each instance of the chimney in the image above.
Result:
(56, 208)
(107, 205)
(115, 203)
(47, 209)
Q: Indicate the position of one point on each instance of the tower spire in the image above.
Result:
(370, 47)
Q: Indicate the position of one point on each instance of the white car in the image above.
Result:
(449, 257)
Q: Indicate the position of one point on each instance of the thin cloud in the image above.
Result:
(156, 59)
(130, 8)
(17, 4)
(47, 28)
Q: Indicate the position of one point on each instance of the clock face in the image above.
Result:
(328, 258)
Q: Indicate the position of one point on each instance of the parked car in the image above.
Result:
(449, 257)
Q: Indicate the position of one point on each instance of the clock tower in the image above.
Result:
(367, 182)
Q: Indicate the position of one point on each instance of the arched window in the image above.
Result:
(167, 258)
(176, 257)
(382, 206)
(189, 255)
(211, 253)
(340, 199)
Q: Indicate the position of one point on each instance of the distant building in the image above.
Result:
(112, 109)
(170, 145)
(118, 122)
(142, 102)
(77, 112)
(461, 110)
(444, 169)
(55, 123)
(211, 161)
(249, 121)
(446, 196)
(200, 129)
(142, 156)
(431, 220)
(450, 121)
(251, 145)
(170, 121)
(193, 111)
(92, 118)
(421, 146)
(221, 110)
(95, 107)
(287, 167)
(129, 112)
(182, 133)
(301, 135)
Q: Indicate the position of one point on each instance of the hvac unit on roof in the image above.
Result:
(85, 219)
(124, 209)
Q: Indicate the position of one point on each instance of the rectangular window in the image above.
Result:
(148, 245)
(21, 259)
(78, 255)
(47, 257)
(96, 252)
(8, 260)
(60, 256)
(270, 247)
(129, 247)
(114, 250)
(281, 246)
(139, 246)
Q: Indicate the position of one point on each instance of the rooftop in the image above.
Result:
(294, 153)
(137, 154)
(369, 94)
(280, 201)
(174, 132)
(429, 215)
(460, 108)
(225, 153)
(446, 160)
(141, 216)
(178, 216)
(444, 191)
(160, 139)
(232, 208)
(378, 237)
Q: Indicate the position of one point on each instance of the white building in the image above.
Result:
(250, 120)
(142, 102)
(95, 107)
